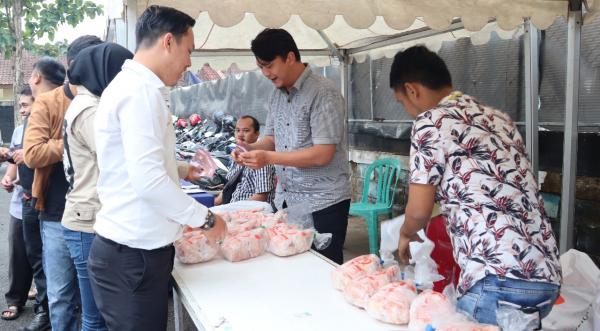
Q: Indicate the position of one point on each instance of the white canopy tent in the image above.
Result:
(354, 30)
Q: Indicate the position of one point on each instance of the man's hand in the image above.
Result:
(219, 199)
(403, 247)
(7, 184)
(255, 159)
(241, 147)
(18, 156)
(218, 232)
(3, 154)
(193, 173)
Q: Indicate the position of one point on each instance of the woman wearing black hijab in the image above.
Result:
(91, 72)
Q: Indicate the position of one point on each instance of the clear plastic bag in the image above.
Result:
(513, 319)
(459, 322)
(433, 310)
(244, 220)
(426, 307)
(355, 268)
(287, 240)
(391, 303)
(359, 290)
(245, 205)
(194, 247)
(300, 216)
(245, 245)
(426, 270)
(202, 164)
(390, 235)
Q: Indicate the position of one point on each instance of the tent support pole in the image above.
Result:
(569, 171)
(532, 75)
(334, 50)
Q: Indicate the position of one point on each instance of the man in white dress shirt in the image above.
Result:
(143, 208)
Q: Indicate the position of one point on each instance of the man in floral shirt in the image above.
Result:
(471, 159)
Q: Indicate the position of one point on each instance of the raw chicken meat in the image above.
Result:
(245, 245)
(194, 247)
(238, 227)
(357, 267)
(425, 307)
(286, 240)
(391, 303)
(271, 220)
(359, 290)
(245, 220)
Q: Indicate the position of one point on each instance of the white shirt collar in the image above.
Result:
(140, 69)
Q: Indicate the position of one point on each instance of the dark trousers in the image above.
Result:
(130, 286)
(33, 248)
(334, 220)
(19, 270)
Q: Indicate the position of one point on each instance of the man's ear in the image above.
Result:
(411, 90)
(291, 57)
(36, 77)
(167, 41)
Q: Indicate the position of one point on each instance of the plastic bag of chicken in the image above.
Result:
(425, 307)
(391, 303)
(245, 245)
(287, 240)
(358, 291)
(355, 268)
(194, 247)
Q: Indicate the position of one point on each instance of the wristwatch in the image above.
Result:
(210, 221)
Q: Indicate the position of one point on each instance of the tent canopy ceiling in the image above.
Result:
(353, 24)
(362, 14)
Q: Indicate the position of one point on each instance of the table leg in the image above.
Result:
(178, 310)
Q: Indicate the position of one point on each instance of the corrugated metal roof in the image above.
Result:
(7, 72)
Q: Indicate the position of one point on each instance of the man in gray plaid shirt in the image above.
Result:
(244, 183)
(305, 138)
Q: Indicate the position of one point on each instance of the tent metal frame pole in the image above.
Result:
(408, 36)
(345, 89)
(569, 171)
(532, 75)
(371, 94)
(243, 52)
(334, 50)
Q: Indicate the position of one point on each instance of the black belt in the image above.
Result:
(121, 246)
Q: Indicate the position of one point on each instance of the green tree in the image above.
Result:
(23, 22)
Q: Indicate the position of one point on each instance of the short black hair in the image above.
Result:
(272, 43)
(26, 91)
(79, 44)
(52, 70)
(418, 64)
(255, 123)
(156, 21)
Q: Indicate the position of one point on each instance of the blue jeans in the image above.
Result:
(61, 278)
(79, 244)
(484, 298)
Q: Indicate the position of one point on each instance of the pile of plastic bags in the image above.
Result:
(365, 283)
(253, 230)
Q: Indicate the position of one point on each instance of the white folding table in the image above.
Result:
(267, 293)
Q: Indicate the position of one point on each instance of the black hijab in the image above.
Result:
(96, 66)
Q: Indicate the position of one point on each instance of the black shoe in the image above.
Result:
(40, 322)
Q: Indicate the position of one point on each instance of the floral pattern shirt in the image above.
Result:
(494, 213)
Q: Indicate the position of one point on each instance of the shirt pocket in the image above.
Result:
(84, 214)
(302, 134)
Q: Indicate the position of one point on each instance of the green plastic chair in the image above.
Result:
(387, 174)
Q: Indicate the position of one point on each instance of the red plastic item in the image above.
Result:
(442, 253)
(181, 123)
(195, 119)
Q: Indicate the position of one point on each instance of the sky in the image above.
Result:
(96, 26)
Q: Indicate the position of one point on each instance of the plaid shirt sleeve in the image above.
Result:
(264, 180)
